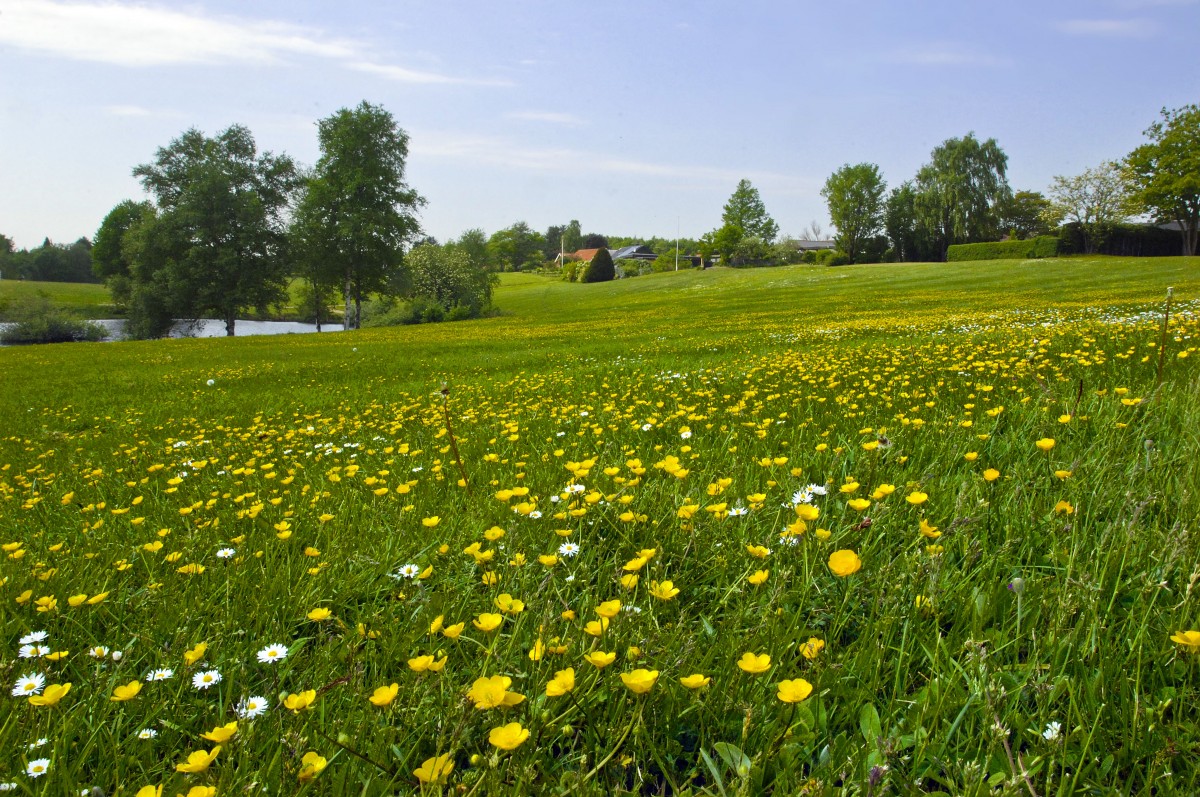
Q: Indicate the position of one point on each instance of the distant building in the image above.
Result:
(813, 246)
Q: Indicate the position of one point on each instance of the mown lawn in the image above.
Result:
(913, 529)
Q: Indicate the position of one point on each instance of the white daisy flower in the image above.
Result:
(36, 744)
(147, 733)
(535, 515)
(804, 496)
(737, 511)
(27, 685)
(251, 707)
(1052, 732)
(685, 435)
(98, 652)
(409, 571)
(568, 549)
(203, 680)
(160, 675)
(28, 652)
(34, 636)
(225, 553)
(272, 653)
(37, 767)
(817, 489)
(8, 785)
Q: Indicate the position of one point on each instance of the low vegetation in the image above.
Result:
(887, 529)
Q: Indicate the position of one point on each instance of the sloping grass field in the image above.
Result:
(911, 529)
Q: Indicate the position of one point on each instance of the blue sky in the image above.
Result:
(632, 117)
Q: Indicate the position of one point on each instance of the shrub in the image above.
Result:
(601, 269)
(839, 259)
(39, 322)
(1042, 246)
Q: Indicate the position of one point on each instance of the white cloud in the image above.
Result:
(944, 55)
(404, 75)
(131, 35)
(552, 117)
(127, 110)
(572, 163)
(1116, 28)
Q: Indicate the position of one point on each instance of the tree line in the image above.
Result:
(962, 196)
(50, 262)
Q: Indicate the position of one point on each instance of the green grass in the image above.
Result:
(88, 301)
(1043, 597)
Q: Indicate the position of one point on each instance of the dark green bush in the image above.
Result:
(601, 269)
(39, 322)
(1042, 246)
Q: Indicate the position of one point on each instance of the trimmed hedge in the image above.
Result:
(1042, 246)
(1125, 240)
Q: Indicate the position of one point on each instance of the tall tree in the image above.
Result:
(958, 191)
(110, 253)
(473, 243)
(855, 198)
(1095, 200)
(745, 210)
(513, 247)
(1027, 214)
(357, 208)
(220, 222)
(1165, 172)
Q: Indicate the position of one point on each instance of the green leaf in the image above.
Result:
(868, 723)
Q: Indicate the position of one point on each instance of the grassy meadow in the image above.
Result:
(897, 529)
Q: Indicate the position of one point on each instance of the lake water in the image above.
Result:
(216, 329)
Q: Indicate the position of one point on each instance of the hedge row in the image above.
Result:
(1042, 246)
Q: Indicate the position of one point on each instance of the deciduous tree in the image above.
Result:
(855, 198)
(219, 233)
(1165, 172)
(1095, 200)
(957, 192)
(358, 214)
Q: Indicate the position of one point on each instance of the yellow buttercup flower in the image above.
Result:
(991, 474)
(430, 522)
(639, 681)
(508, 604)
(1045, 444)
(311, 765)
(844, 563)
(198, 761)
(492, 692)
(663, 590)
(426, 664)
(453, 631)
(609, 609)
(488, 622)
(812, 648)
(299, 702)
(508, 737)
(928, 530)
(794, 691)
(754, 664)
(127, 692)
(599, 659)
(759, 577)
(317, 615)
(434, 770)
(221, 733)
(53, 694)
(194, 655)
(916, 497)
(695, 681)
(384, 695)
(562, 683)
(1188, 640)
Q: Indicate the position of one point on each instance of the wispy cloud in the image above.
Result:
(550, 117)
(127, 110)
(132, 35)
(404, 75)
(573, 163)
(944, 55)
(1112, 28)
